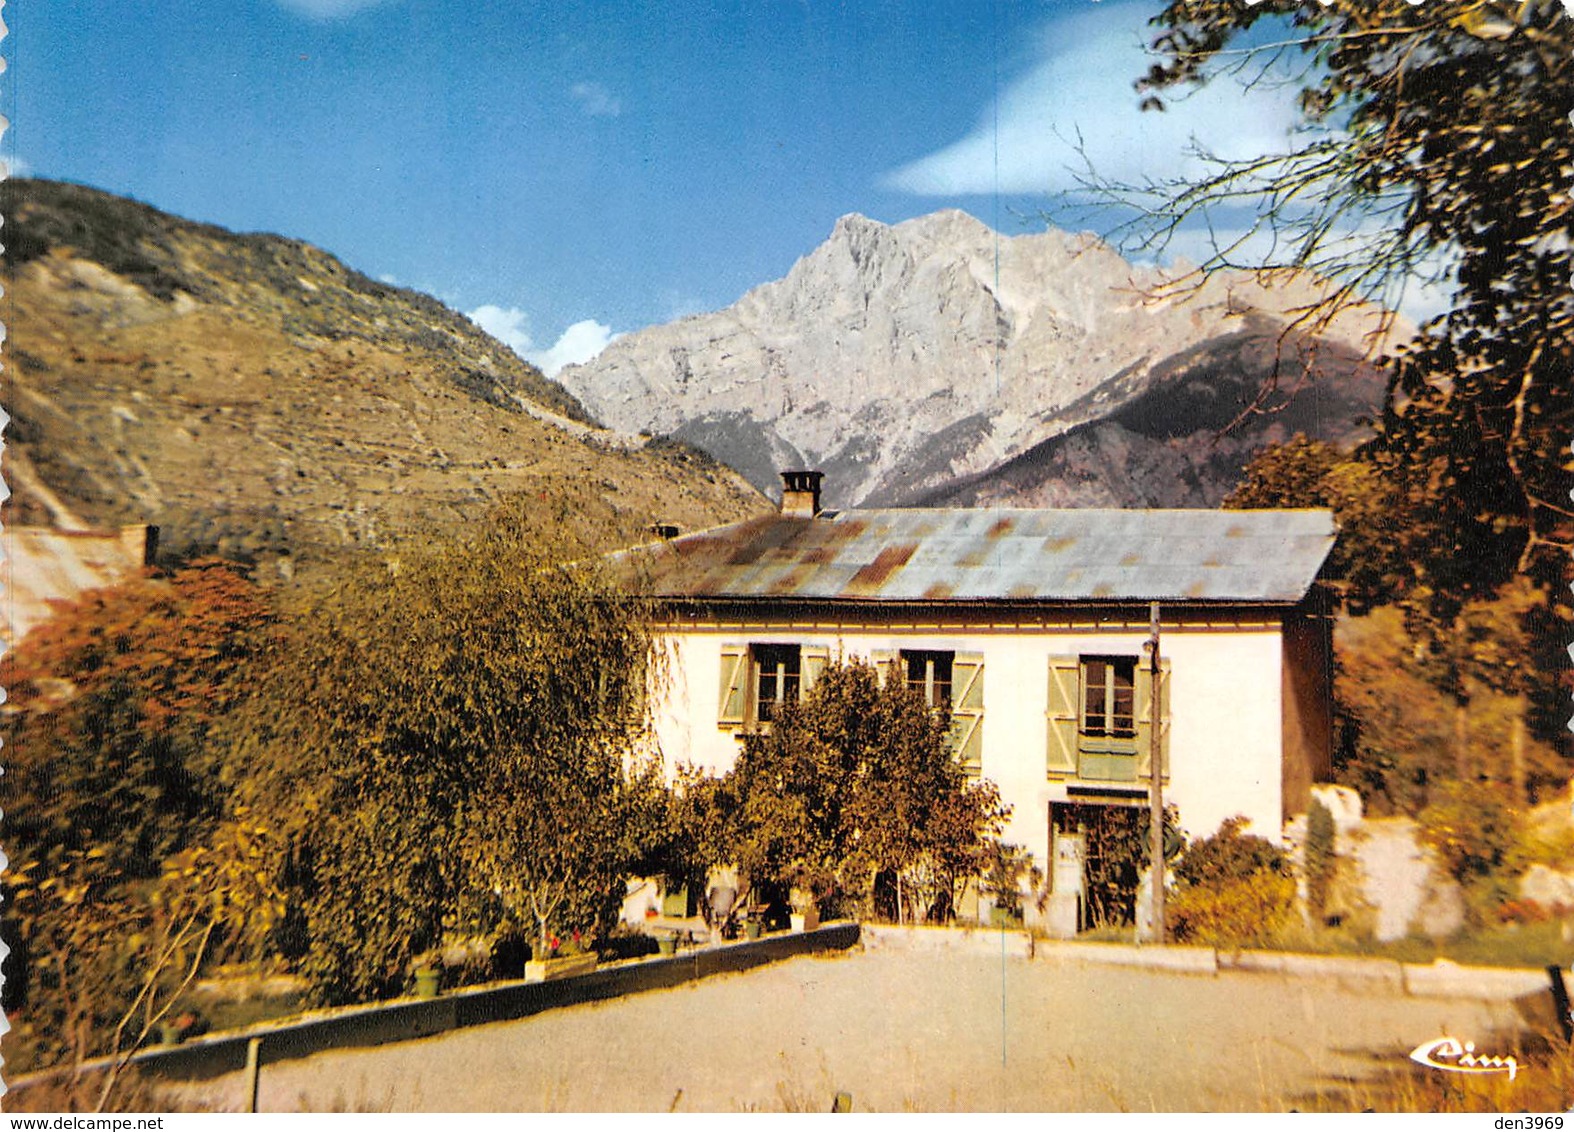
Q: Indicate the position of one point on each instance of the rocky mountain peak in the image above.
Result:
(907, 359)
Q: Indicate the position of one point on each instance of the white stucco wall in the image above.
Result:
(1225, 710)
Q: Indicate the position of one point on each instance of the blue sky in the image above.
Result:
(569, 171)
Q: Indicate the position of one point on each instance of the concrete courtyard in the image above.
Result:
(902, 1030)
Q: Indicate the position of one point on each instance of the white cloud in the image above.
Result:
(596, 100)
(328, 9)
(1082, 86)
(511, 326)
(14, 166)
(579, 343)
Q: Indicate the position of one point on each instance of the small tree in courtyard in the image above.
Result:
(859, 782)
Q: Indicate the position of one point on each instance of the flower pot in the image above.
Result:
(667, 944)
(560, 967)
(753, 929)
(426, 982)
(675, 903)
(806, 921)
(169, 1033)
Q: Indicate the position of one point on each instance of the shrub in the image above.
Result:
(855, 782)
(1235, 890)
(1229, 855)
(1247, 912)
(1474, 829)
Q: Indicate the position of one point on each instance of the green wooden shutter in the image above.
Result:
(885, 665)
(967, 710)
(1145, 717)
(814, 660)
(1062, 713)
(734, 698)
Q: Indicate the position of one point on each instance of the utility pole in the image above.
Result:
(1156, 767)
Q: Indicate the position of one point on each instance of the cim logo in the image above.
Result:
(1454, 1056)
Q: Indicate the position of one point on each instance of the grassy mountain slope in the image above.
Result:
(252, 395)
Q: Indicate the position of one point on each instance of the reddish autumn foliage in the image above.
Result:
(109, 706)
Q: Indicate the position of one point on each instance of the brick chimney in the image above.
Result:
(801, 494)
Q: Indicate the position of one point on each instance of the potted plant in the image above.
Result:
(667, 943)
(805, 914)
(754, 920)
(560, 958)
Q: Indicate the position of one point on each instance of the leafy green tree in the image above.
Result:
(856, 781)
(1435, 147)
(1374, 560)
(1438, 138)
(448, 740)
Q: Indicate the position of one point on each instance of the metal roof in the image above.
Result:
(919, 555)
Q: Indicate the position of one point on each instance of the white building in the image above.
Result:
(1030, 625)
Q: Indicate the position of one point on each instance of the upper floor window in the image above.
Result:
(1109, 697)
(757, 679)
(929, 674)
(1099, 718)
(778, 671)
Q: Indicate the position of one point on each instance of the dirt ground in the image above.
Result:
(900, 1031)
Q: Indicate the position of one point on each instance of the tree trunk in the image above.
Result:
(1516, 750)
(1461, 742)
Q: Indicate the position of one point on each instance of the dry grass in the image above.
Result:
(1544, 1082)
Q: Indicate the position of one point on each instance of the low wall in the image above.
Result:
(1440, 979)
(406, 1019)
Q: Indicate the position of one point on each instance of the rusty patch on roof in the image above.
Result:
(1103, 589)
(1058, 543)
(773, 537)
(791, 582)
(973, 558)
(999, 529)
(1022, 590)
(1197, 589)
(939, 591)
(1131, 559)
(817, 556)
(874, 575)
(1235, 531)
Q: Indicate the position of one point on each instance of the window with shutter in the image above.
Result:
(815, 660)
(1107, 734)
(778, 675)
(1145, 718)
(734, 696)
(928, 672)
(1065, 682)
(967, 710)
